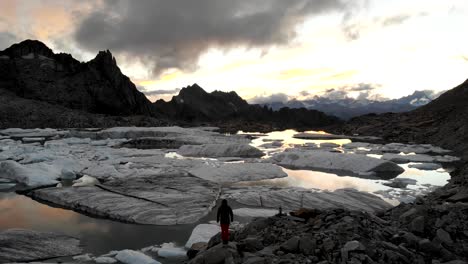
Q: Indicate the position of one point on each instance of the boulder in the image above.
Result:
(291, 245)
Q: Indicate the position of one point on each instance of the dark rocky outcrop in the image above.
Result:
(343, 236)
(231, 112)
(16, 111)
(32, 71)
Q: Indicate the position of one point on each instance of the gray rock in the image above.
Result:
(417, 225)
(307, 245)
(291, 245)
(444, 237)
(251, 244)
(28, 245)
(218, 254)
(255, 260)
(160, 199)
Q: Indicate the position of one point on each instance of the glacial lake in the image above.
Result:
(99, 236)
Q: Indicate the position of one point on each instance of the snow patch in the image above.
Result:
(128, 256)
(202, 233)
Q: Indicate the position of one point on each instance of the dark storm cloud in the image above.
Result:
(173, 34)
(278, 97)
(365, 91)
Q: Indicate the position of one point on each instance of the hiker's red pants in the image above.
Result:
(225, 232)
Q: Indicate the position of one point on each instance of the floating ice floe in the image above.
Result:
(294, 198)
(21, 245)
(396, 148)
(220, 150)
(202, 233)
(35, 132)
(128, 256)
(272, 144)
(161, 199)
(418, 158)
(323, 136)
(425, 166)
(254, 212)
(33, 139)
(236, 172)
(358, 164)
(104, 260)
(32, 175)
(170, 251)
(400, 182)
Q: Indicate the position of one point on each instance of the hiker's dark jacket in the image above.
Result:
(225, 215)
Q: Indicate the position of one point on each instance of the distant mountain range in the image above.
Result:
(349, 107)
(39, 88)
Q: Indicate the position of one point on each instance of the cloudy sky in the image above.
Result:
(259, 48)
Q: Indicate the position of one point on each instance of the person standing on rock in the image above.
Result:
(226, 216)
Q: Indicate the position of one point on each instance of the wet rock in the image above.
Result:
(218, 254)
(350, 247)
(19, 245)
(196, 248)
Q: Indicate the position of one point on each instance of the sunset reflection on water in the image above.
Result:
(22, 212)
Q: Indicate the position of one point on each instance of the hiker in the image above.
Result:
(226, 216)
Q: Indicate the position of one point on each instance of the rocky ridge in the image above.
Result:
(343, 236)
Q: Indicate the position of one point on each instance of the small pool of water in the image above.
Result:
(427, 180)
(98, 236)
